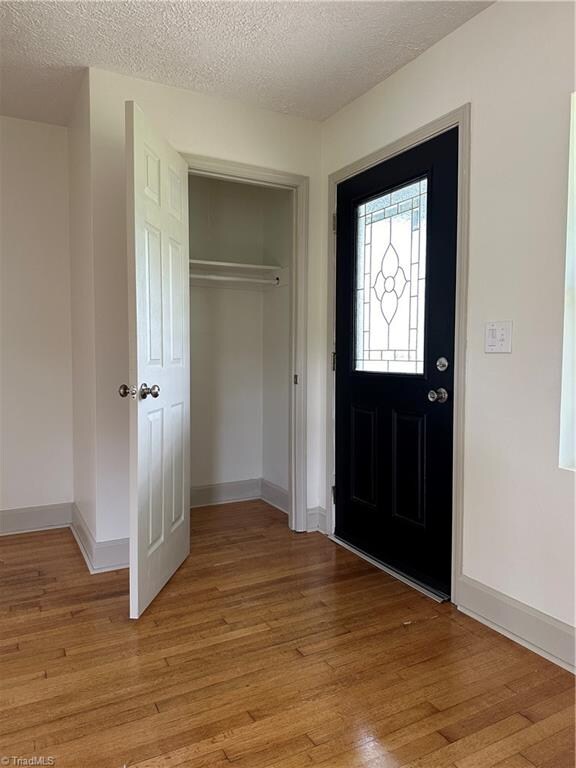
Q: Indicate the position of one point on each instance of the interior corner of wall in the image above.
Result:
(90, 73)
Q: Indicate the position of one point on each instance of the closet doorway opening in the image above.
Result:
(247, 239)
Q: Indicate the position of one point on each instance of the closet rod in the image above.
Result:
(236, 279)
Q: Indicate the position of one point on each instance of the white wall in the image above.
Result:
(226, 385)
(82, 305)
(193, 123)
(239, 385)
(227, 220)
(515, 63)
(276, 386)
(35, 346)
(568, 411)
(278, 243)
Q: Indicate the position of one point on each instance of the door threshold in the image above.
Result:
(437, 596)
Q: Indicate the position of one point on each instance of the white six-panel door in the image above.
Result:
(157, 205)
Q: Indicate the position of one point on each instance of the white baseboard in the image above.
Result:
(543, 634)
(99, 555)
(27, 519)
(275, 495)
(316, 519)
(245, 490)
(222, 493)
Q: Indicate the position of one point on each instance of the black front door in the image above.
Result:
(395, 307)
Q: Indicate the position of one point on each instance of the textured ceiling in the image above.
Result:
(302, 58)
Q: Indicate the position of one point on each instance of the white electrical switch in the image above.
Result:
(498, 338)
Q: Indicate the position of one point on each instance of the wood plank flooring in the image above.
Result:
(267, 648)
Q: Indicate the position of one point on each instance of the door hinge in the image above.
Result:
(334, 220)
(333, 494)
(333, 361)
(295, 378)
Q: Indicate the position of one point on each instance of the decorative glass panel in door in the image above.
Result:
(391, 281)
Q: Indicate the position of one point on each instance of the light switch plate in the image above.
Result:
(498, 337)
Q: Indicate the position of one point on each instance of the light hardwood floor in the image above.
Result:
(267, 648)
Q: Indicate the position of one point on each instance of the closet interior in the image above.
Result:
(241, 244)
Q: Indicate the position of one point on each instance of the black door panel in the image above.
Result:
(395, 309)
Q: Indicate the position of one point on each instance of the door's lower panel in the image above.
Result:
(408, 467)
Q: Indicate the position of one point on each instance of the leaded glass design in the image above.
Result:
(391, 281)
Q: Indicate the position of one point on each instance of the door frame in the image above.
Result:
(459, 118)
(228, 170)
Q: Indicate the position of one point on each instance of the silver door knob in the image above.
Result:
(442, 363)
(438, 395)
(145, 390)
(124, 390)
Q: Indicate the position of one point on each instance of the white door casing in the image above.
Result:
(158, 292)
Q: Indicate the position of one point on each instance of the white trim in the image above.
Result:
(251, 174)
(377, 564)
(240, 490)
(275, 495)
(460, 336)
(549, 637)
(224, 493)
(100, 556)
(458, 118)
(316, 520)
(28, 519)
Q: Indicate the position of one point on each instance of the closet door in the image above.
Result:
(157, 207)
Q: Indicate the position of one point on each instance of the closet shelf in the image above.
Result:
(225, 265)
(203, 271)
